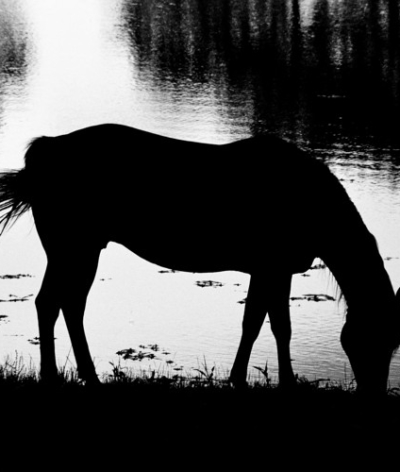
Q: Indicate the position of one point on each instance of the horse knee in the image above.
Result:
(47, 307)
(251, 325)
(281, 326)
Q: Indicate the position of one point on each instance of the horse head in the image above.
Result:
(371, 346)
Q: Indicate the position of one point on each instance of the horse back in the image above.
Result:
(145, 190)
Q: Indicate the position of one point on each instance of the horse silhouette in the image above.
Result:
(260, 206)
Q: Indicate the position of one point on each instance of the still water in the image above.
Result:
(323, 73)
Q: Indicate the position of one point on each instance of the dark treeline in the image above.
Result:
(300, 66)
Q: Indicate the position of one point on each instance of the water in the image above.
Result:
(323, 73)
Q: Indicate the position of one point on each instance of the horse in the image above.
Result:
(260, 205)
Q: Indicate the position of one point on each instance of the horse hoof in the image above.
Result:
(53, 380)
(238, 383)
(92, 382)
(288, 385)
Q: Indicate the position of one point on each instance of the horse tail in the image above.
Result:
(14, 197)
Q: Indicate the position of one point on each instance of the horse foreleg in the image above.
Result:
(272, 295)
(81, 272)
(254, 315)
(279, 315)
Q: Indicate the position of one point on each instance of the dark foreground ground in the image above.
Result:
(195, 424)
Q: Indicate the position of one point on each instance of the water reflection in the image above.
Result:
(313, 70)
(317, 71)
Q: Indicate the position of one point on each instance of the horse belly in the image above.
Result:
(186, 250)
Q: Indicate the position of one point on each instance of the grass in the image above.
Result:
(195, 418)
(14, 374)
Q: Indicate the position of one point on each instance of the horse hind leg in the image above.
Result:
(66, 284)
(48, 308)
(78, 279)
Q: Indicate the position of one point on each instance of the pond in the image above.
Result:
(322, 73)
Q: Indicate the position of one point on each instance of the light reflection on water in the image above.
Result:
(211, 73)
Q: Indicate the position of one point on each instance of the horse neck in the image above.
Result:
(358, 268)
(349, 249)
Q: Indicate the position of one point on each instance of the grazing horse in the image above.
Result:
(259, 206)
